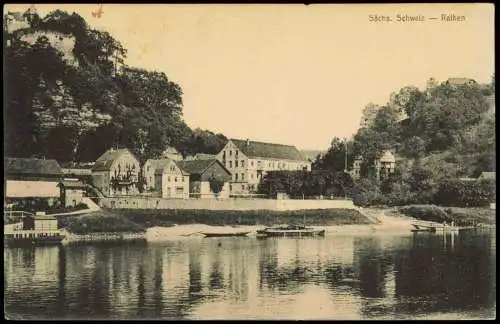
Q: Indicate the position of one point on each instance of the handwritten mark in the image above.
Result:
(98, 13)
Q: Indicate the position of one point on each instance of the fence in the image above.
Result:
(16, 213)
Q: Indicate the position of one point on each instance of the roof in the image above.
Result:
(72, 184)
(80, 172)
(32, 166)
(387, 157)
(105, 161)
(488, 175)
(199, 166)
(171, 151)
(269, 150)
(41, 217)
(158, 165)
(460, 81)
(16, 15)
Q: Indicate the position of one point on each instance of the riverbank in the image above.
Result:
(460, 216)
(138, 221)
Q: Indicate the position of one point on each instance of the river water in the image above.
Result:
(414, 276)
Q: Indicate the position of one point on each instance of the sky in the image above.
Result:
(294, 74)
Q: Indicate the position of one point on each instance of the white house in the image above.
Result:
(248, 161)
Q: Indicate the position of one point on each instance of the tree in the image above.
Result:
(334, 158)
(368, 115)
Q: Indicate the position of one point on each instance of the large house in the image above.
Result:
(32, 178)
(115, 173)
(207, 178)
(248, 161)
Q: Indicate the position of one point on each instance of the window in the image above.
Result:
(147, 168)
(242, 177)
(230, 153)
(251, 175)
(251, 163)
(230, 187)
(242, 163)
(175, 179)
(168, 179)
(230, 164)
(236, 163)
(242, 187)
(236, 176)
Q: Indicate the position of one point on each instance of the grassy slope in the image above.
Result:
(139, 219)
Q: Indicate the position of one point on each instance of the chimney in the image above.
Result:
(248, 142)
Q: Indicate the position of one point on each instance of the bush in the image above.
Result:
(99, 223)
(459, 193)
(426, 213)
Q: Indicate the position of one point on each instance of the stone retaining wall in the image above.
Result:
(223, 204)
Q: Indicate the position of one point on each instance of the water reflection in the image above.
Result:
(331, 278)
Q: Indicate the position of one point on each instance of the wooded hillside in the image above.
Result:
(75, 109)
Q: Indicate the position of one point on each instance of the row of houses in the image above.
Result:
(236, 170)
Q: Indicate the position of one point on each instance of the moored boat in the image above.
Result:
(23, 238)
(34, 230)
(224, 234)
(290, 231)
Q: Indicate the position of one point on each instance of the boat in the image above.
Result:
(224, 234)
(33, 230)
(418, 229)
(290, 231)
(433, 228)
(26, 237)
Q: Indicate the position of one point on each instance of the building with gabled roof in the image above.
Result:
(116, 173)
(207, 178)
(248, 161)
(165, 178)
(172, 153)
(33, 169)
(32, 178)
(72, 192)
